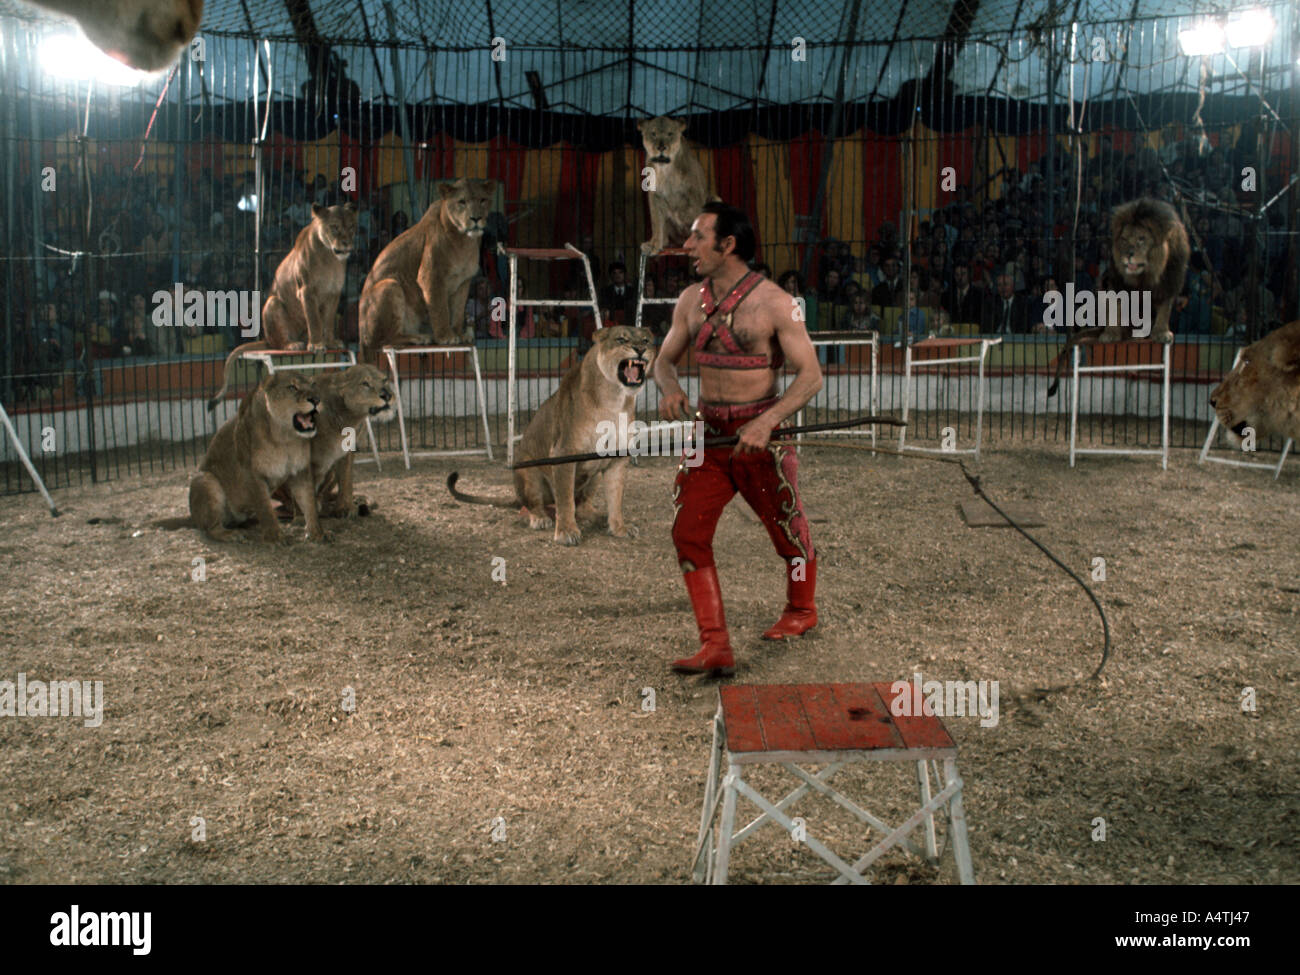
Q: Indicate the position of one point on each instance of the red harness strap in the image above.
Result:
(717, 321)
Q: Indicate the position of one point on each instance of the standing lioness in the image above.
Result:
(266, 444)
(599, 388)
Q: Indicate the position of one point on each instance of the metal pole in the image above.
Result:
(408, 152)
(1051, 140)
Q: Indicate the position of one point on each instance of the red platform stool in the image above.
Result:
(833, 725)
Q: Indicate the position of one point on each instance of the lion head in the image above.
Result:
(624, 354)
(1263, 391)
(467, 203)
(336, 227)
(362, 390)
(662, 138)
(290, 400)
(144, 34)
(1146, 238)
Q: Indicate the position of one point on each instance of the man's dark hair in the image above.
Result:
(732, 222)
(618, 266)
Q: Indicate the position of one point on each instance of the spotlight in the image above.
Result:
(1252, 29)
(247, 204)
(73, 58)
(1204, 38)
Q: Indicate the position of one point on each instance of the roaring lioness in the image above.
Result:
(266, 444)
(422, 278)
(301, 310)
(603, 385)
(680, 187)
(1263, 392)
(348, 398)
(145, 34)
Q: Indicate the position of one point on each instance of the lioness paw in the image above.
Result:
(649, 247)
(568, 537)
(624, 531)
(295, 346)
(538, 522)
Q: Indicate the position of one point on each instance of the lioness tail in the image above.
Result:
(474, 498)
(225, 371)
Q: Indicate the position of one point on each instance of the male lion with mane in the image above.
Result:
(1263, 392)
(303, 305)
(422, 278)
(600, 387)
(1148, 252)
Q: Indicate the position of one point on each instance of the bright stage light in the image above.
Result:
(1252, 29)
(73, 58)
(1206, 38)
(247, 204)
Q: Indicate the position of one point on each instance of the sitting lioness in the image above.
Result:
(680, 187)
(145, 34)
(303, 305)
(599, 388)
(1263, 392)
(348, 398)
(420, 281)
(266, 444)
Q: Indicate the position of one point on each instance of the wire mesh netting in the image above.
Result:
(932, 169)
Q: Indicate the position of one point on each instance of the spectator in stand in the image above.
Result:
(138, 328)
(1193, 315)
(617, 299)
(657, 318)
(674, 284)
(525, 319)
(1008, 313)
(106, 329)
(1082, 279)
(478, 309)
(889, 292)
(54, 337)
(916, 320)
(791, 283)
(860, 317)
(829, 301)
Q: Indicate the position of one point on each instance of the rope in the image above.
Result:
(974, 481)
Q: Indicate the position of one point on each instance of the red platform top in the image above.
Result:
(547, 253)
(827, 718)
(937, 343)
(669, 252)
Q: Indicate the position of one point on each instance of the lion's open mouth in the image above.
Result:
(304, 424)
(1240, 428)
(1134, 267)
(384, 411)
(342, 255)
(661, 158)
(631, 372)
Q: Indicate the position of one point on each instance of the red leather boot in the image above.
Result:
(800, 613)
(715, 646)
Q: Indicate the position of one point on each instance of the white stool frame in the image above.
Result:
(515, 302)
(392, 352)
(911, 364)
(27, 461)
(871, 338)
(1214, 429)
(711, 865)
(1166, 359)
(267, 358)
(641, 299)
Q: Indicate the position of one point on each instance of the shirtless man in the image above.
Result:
(743, 329)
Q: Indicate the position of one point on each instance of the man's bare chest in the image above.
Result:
(750, 327)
